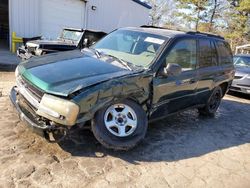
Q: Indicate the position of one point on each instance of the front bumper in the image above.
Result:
(23, 53)
(241, 85)
(240, 89)
(26, 117)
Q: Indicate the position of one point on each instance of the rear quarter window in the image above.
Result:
(224, 52)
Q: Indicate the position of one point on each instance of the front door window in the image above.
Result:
(184, 54)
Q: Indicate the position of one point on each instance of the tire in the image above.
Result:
(213, 103)
(112, 128)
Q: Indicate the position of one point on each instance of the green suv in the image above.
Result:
(130, 77)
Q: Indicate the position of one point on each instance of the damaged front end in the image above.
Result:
(69, 39)
(23, 53)
(53, 117)
(38, 125)
(135, 87)
(29, 49)
(48, 116)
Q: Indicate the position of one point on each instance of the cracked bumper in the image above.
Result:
(29, 121)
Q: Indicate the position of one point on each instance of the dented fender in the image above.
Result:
(135, 87)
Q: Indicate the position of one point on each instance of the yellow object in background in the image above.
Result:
(15, 40)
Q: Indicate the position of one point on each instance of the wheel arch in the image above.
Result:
(224, 88)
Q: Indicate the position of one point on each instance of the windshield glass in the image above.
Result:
(242, 61)
(138, 48)
(71, 35)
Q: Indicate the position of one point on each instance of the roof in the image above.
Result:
(171, 33)
(143, 4)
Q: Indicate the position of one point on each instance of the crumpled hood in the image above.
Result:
(66, 72)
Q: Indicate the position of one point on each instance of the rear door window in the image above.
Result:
(224, 52)
(208, 55)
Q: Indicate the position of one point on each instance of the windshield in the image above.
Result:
(138, 48)
(242, 61)
(71, 35)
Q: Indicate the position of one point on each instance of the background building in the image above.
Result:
(29, 18)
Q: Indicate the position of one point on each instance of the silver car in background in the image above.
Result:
(241, 82)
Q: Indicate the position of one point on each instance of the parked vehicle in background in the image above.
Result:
(241, 82)
(130, 77)
(69, 39)
(243, 49)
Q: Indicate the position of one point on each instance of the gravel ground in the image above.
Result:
(183, 150)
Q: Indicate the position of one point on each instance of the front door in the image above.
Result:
(173, 93)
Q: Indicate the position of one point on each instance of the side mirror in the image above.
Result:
(172, 69)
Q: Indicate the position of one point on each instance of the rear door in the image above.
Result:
(225, 61)
(173, 93)
(208, 69)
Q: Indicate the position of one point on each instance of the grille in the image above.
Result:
(37, 93)
(30, 112)
(26, 105)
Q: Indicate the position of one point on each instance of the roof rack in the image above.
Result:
(152, 26)
(187, 32)
(157, 27)
(205, 34)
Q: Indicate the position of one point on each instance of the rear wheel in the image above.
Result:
(120, 126)
(213, 103)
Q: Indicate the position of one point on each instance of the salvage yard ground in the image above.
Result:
(183, 150)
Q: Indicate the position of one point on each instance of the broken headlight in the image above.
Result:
(58, 110)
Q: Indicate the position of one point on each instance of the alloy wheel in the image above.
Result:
(120, 120)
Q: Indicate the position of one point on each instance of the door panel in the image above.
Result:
(208, 71)
(173, 93)
(207, 78)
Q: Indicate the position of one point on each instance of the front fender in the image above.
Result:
(136, 87)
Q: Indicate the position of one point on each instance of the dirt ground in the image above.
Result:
(183, 150)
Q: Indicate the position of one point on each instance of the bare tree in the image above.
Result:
(159, 9)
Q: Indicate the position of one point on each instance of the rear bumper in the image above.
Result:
(31, 123)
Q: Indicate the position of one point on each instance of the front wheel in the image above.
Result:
(213, 103)
(120, 126)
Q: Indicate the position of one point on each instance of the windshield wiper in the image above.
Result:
(124, 63)
(121, 61)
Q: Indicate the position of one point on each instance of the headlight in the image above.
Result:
(16, 72)
(58, 110)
